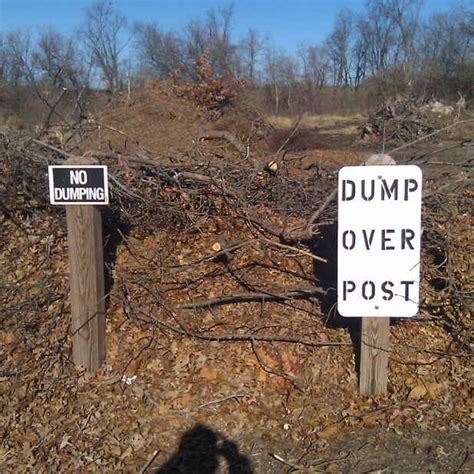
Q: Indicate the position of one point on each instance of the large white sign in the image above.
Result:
(379, 228)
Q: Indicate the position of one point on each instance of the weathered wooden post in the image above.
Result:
(81, 185)
(378, 256)
(374, 347)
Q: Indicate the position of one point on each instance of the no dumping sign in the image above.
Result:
(78, 184)
(379, 227)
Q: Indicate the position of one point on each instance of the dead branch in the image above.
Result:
(52, 148)
(206, 134)
(208, 180)
(320, 210)
(294, 249)
(52, 108)
(153, 456)
(301, 293)
(123, 134)
(290, 136)
(271, 371)
(242, 337)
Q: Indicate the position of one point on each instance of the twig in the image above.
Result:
(120, 132)
(217, 254)
(288, 463)
(208, 180)
(324, 462)
(234, 396)
(272, 371)
(150, 460)
(420, 159)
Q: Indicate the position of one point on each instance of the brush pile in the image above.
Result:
(405, 119)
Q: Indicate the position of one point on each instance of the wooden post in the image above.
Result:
(374, 345)
(86, 262)
(374, 335)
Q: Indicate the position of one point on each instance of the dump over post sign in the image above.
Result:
(78, 185)
(379, 226)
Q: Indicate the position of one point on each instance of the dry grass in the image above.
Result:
(313, 121)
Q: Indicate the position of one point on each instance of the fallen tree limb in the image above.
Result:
(253, 297)
(206, 134)
(52, 148)
(294, 249)
(207, 180)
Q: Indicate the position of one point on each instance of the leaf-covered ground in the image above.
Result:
(290, 399)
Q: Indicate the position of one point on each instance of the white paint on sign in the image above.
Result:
(379, 227)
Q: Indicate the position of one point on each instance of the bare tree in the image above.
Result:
(281, 74)
(159, 52)
(251, 48)
(316, 64)
(213, 36)
(56, 61)
(222, 50)
(102, 36)
(18, 58)
(339, 45)
(378, 36)
(447, 54)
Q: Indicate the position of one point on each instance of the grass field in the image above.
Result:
(312, 121)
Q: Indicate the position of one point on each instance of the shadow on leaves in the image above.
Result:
(200, 451)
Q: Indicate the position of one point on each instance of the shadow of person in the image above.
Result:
(199, 452)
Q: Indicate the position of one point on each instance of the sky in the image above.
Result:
(287, 23)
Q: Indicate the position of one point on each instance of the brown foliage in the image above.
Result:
(209, 92)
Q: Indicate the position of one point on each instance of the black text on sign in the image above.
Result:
(379, 227)
(78, 185)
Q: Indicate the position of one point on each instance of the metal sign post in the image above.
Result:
(379, 229)
(81, 185)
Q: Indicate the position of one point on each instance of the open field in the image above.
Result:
(314, 121)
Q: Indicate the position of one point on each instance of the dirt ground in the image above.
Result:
(171, 399)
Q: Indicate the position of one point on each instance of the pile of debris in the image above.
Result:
(405, 119)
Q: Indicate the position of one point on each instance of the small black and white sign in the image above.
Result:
(78, 185)
(379, 229)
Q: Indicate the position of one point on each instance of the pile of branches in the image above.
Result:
(184, 192)
(180, 190)
(403, 119)
(447, 243)
(187, 195)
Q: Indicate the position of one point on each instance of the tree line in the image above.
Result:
(387, 49)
